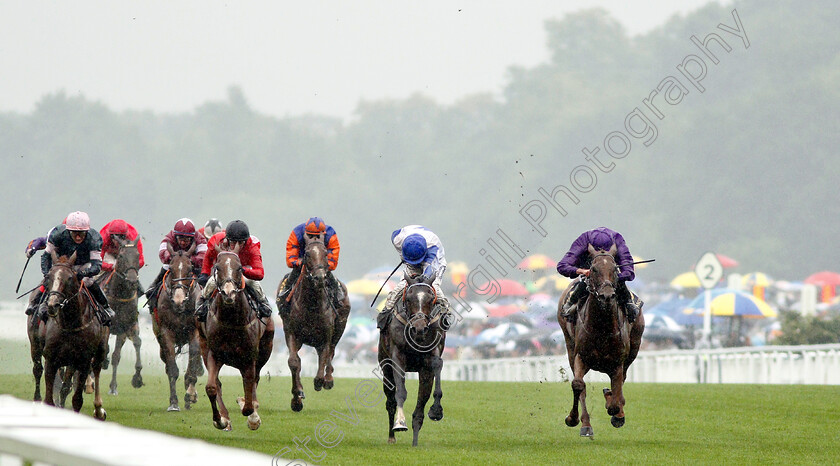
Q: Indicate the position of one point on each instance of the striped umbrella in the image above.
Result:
(537, 262)
(727, 302)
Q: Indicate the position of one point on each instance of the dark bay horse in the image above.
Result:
(601, 339)
(174, 325)
(73, 335)
(414, 342)
(121, 289)
(313, 320)
(235, 336)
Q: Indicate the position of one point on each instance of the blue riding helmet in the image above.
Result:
(414, 249)
(601, 240)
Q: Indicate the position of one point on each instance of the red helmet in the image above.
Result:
(77, 221)
(118, 227)
(315, 226)
(184, 227)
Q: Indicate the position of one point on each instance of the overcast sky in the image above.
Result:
(289, 57)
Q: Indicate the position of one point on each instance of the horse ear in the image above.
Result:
(612, 250)
(237, 248)
(592, 250)
(54, 256)
(169, 249)
(72, 259)
(191, 250)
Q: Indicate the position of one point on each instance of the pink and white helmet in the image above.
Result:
(78, 221)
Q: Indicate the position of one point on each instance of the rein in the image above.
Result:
(403, 320)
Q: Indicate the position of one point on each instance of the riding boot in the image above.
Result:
(41, 311)
(631, 309)
(152, 291)
(105, 313)
(201, 308)
(35, 300)
(285, 288)
(570, 307)
(383, 319)
(335, 291)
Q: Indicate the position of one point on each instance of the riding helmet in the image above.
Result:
(315, 226)
(414, 249)
(184, 227)
(77, 221)
(118, 227)
(237, 230)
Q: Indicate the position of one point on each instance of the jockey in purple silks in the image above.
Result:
(577, 261)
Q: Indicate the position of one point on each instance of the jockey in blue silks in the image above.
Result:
(422, 252)
(577, 261)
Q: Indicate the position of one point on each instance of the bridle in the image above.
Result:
(237, 287)
(309, 270)
(590, 286)
(65, 300)
(122, 274)
(429, 319)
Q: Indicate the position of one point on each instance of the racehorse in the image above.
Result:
(313, 320)
(174, 324)
(601, 339)
(73, 335)
(414, 342)
(120, 287)
(234, 335)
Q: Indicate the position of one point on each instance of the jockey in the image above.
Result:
(577, 261)
(112, 234)
(76, 236)
(210, 228)
(183, 237)
(252, 267)
(295, 246)
(423, 254)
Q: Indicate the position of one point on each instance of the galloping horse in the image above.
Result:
(602, 339)
(313, 320)
(120, 287)
(236, 336)
(174, 324)
(414, 342)
(73, 336)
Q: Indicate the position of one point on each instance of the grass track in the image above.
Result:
(512, 423)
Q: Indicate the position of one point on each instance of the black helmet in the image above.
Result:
(237, 231)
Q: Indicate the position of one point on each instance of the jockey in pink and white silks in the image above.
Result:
(423, 254)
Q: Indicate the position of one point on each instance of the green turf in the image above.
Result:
(496, 423)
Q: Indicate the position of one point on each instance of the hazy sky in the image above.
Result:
(289, 57)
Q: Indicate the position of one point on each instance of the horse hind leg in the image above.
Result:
(65, 384)
(329, 382)
(78, 395)
(436, 411)
(214, 394)
(323, 354)
(614, 398)
(294, 367)
(427, 380)
(194, 367)
(115, 362)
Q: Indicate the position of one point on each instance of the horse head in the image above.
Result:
(180, 279)
(419, 299)
(315, 261)
(61, 284)
(603, 274)
(230, 280)
(128, 260)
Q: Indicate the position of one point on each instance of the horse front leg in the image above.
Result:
(65, 376)
(615, 397)
(246, 403)
(167, 355)
(323, 353)
(50, 372)
(37, 368)
(436, 411)
(115, 362)
(81, 378)
(214, 390)
(137, 380)
(427, 380)
(99, 357)
(294, 367)
(399, 387)
(329, 382)
(390, 399)
(579, 394)
(194, 368)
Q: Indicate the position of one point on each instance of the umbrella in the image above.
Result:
(366, 286)
(726, 302)
(686, 280)
(509, 287)
(756, 279)
(824, 278)
(726, 262)
(553, 282)
(476, 311)
(458, 272)
(537, 262)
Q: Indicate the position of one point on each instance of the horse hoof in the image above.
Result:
(137, 381)
(436, 414)
(173, 408)
(328, 384)
(112, 391)
(254, 421)
(617, 421)
(571, 422)
(297, 405)
(613, 411)
(222, 424)
(586, 431)
(391, 440)
(400, 426)
(319, 383)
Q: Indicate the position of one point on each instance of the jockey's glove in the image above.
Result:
(202, 279)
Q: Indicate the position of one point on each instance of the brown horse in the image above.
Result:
(313, 320)
(414, 342)
(235, 336)
(121, 288)
(73, 335)
(601, 339)
(174, 325)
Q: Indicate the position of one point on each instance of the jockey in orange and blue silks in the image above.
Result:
(423, 254)
(313, 228)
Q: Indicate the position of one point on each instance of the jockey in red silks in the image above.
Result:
(183, 237)
(313, 228)
(112, 233)
(575, 264)
(250, 257)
